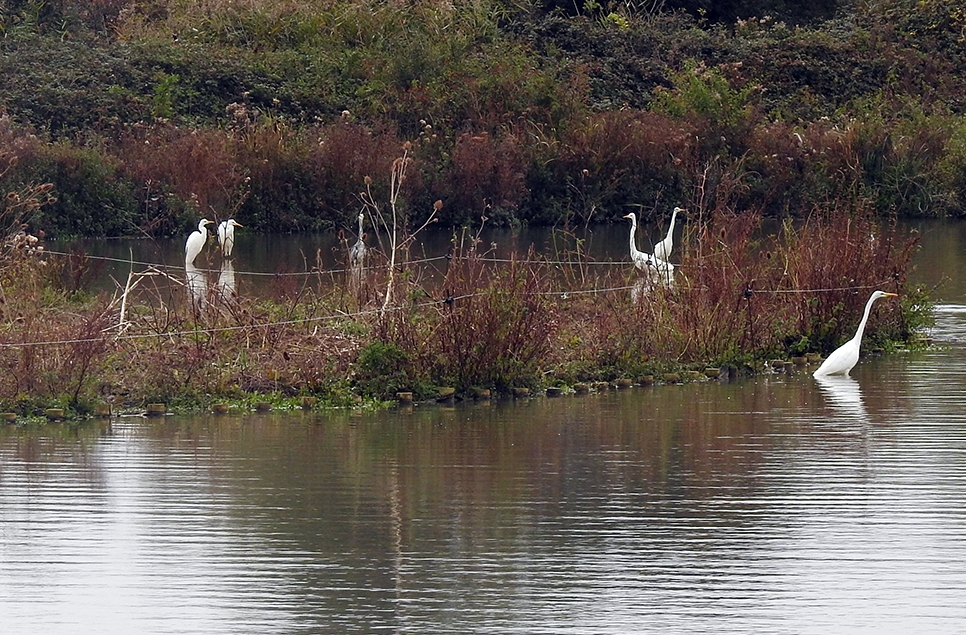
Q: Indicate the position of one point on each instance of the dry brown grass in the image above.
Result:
(741, 296)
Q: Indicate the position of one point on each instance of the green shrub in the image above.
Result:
(704, 97)
(383, 369)
(952, 167)
(92, 197)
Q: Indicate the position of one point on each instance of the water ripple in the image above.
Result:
(776, 505)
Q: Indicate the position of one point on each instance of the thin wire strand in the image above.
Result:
(828, 290)
(571, 263)
(317, 272)
(163, 266)
(563, 294)
(240, 327)
(367, 312)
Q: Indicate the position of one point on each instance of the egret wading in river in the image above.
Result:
(663, 249)
(357, 257)
(842, 359)
(658, 271)
(226, 236)
(196, 242)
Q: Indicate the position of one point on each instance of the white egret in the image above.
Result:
(658, 270)
(665, 272)
(639, 258)
(226, 236)
(357, 255)
(842, 359)
(357, 258)
(663, 249)
(196, 241)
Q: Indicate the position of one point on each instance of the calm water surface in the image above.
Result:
(264, 264)
(773, 505)
(778, 505)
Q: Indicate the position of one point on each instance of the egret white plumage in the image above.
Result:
(663, 249)
(196, 241)
(658, 271)
(638, 257)
(357, 255)
(226, 235)
(357, 258)
(842, 359)
(663, 271)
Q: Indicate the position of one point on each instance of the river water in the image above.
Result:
(776, 504)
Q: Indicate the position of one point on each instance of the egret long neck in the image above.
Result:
(633, 242)
(670, 230)
(865, 318)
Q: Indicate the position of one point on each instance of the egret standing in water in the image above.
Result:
(842, 359)
(658, 270)
(196, 242)
(663, 249)
(226, 236)
(357, 255)
(638, 257)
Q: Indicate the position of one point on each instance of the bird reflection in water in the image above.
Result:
(226, 285)
(845, 395)
(639, 290)
(197, 286)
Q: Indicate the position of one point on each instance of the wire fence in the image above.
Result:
(163, 266)
(520, 261)
(367, 312)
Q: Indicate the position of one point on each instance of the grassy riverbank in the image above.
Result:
(121, 119)
(533, 322)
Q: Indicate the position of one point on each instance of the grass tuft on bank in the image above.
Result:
(742, 295)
